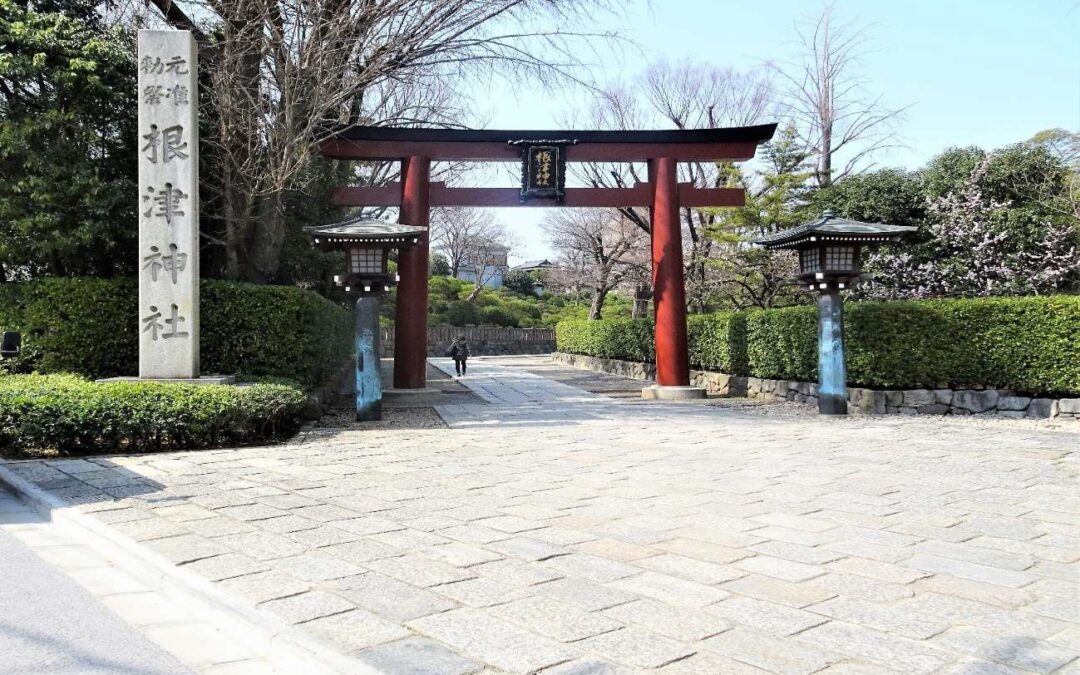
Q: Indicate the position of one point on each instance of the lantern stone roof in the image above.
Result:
(830, 227)
(366, 231)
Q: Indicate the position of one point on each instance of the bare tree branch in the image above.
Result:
(282, 72)
(827, 98)
(599, 249)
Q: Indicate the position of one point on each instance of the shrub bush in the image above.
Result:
(86, 325)
(90, 327)
(629, 339)
(718, 342)
(1025, 344)
(498, 316)
(66, 413)
(276, 331)
(462, 313)
(782, 343)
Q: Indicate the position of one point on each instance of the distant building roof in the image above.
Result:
(830, 227)
(534, 264)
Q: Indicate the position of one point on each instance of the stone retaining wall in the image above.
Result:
(991, 402)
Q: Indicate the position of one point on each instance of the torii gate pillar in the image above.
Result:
(410, 325)
(669, 288)
(669, 291)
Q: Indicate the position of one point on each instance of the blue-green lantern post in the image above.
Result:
(832, 373)
(368, 372)
(367, 245)
(829, 251)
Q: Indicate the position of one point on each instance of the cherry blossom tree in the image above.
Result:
(970, 254)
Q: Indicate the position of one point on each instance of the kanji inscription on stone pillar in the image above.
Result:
(168, 205)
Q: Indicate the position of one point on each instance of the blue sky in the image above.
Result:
(986, 73)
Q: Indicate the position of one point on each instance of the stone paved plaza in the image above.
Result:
(551, 529)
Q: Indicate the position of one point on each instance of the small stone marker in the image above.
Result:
(168, 205)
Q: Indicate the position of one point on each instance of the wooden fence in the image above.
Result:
(482, 340)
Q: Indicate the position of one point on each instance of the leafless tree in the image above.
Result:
(600, 248)
(488, 258)
(459, 232)
(280, 73)
(686, 95)
(1062, 144)
(830, 102)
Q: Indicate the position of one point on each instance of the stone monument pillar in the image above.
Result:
(168, 205)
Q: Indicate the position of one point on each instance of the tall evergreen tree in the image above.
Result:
(67, 142)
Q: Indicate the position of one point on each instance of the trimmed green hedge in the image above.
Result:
(276, 331)
(718, 342)
(629, 339)
(90, 326)
(1026, 344)
(782, 343)
(66, 413)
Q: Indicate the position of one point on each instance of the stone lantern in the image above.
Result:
(367, 245)
(829, 250)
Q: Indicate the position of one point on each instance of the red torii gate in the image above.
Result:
(416, 149)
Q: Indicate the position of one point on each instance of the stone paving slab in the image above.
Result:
(557, 530)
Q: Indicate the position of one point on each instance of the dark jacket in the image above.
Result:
(459, 349)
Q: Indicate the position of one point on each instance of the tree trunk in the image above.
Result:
(236, 89)
(266, 240)
(642, 294)
(478, 282)
(237, 210)
(596, 311)
(56, 265)
(824, 176)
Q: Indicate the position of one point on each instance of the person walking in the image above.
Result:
(459, 350)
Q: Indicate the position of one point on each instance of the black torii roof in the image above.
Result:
(364, 230)
(756, 134)
(830, 227)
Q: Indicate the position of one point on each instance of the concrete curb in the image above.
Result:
(280, 642)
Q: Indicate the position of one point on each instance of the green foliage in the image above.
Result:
(498, 316)
(461, 313)
(782, 343)
(83, 325)
(448, 306)
(1027, 344)
(307, 203)
(438, 265)
(276, 331)
(90, 326)
(718, 342)
(891, 196)
(1024, 344)
(1062, 144)
(948, 172)
(776, 199)
(66, 413)
(67, 143)
(629, 339)
(524, 282)
(1001, 223)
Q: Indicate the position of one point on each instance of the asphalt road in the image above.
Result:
(50, 624)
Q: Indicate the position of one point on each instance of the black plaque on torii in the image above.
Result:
(543, 168)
